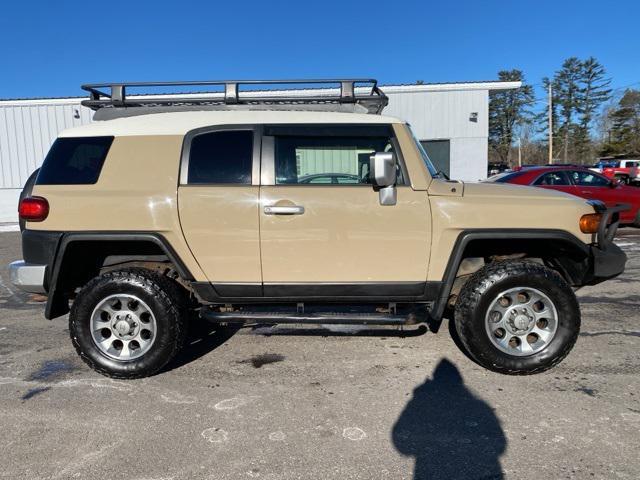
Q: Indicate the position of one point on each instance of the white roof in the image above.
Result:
(179, 123)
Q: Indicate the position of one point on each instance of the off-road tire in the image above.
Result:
(485, 285)
(161, 294)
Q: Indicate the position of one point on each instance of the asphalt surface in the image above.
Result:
(282, 404)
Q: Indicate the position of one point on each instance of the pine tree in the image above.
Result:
(568, 93)
(595, 92)
(580, 88)
(624, 136)
(507, 110)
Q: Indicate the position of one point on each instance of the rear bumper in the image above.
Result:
(28, 277)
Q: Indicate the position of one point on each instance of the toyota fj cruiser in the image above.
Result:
(293, 206)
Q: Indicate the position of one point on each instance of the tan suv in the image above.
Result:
(299, 206)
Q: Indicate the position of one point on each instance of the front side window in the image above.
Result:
(331, 155)
(589, 179)
(553, 179)
(222, 157)
(74, 161)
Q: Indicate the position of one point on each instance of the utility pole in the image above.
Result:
(550, 125)
(519, 152)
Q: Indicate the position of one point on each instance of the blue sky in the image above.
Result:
(49, 48)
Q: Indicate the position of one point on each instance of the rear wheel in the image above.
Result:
(517, 317)
(128, 323)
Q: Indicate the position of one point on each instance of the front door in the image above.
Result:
(556, 180)
(594, 186)
(323, 230)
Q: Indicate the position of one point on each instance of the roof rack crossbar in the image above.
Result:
(105, 95)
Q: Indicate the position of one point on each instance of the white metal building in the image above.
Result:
(450, 119)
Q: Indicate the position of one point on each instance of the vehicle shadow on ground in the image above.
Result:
(203, 338)
(451, 433)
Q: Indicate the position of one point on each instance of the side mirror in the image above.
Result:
(616, 182)
(382, 171)
(382, 168)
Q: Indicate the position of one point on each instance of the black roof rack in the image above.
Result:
(350, 94)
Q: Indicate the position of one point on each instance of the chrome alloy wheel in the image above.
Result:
(521, 321)
(123, 327)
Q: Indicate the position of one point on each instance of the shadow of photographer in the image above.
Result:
(451, 433)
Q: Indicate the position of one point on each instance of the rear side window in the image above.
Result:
(74, 161)
(553, 179)
(221, 157)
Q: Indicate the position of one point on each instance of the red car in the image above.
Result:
(581, 182)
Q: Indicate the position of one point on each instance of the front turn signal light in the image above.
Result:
(589, 223)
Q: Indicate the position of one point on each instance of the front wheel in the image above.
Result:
(128, 323)
(517, 317)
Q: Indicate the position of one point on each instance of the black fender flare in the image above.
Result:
(467, 236)
(57, 302)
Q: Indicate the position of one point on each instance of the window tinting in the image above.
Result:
(221, 157)
(74, 161)
(553, 179)
(333, 160)
(589, 179)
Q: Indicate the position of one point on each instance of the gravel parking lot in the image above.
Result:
(287, 404)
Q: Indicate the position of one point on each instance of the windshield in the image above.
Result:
(425, 158)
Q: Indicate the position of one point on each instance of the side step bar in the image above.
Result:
(309, 318)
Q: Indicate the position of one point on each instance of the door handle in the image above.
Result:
(283, 210)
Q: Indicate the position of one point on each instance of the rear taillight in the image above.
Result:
(33, 209)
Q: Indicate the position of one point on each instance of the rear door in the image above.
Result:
(556, 180)
(218, 201)
(327, 239)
